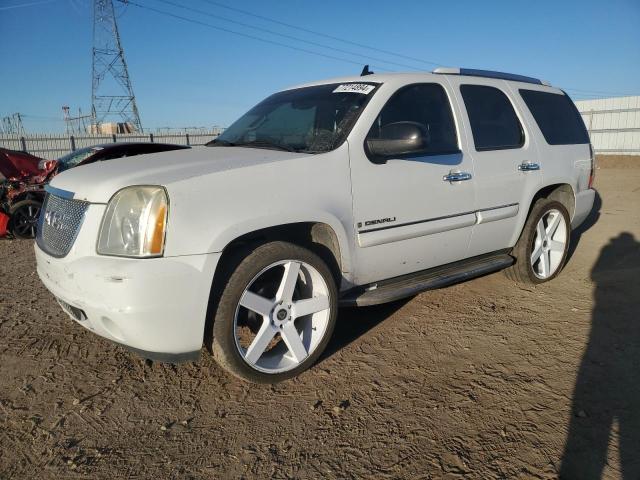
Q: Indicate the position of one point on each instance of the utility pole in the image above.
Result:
(111, 93)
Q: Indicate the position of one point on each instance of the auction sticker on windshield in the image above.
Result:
(363, 88)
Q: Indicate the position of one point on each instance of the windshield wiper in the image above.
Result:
(218, 142)
(266, 144)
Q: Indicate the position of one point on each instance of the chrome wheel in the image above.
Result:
(549, 244)
(282, 316)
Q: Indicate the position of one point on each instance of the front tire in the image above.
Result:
(541, 251)
(24, 218)
(276, 314)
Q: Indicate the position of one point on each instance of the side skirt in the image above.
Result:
(430, 279)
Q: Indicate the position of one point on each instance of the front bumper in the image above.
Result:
(584, 204)
(156, 307)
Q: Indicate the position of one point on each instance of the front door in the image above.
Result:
(412, 211)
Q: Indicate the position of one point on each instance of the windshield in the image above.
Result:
(73, 159)
(310, 120)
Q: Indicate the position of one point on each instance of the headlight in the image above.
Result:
(134, 224)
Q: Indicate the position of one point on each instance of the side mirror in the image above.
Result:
(398, 138)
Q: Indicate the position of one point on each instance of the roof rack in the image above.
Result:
(489, 74)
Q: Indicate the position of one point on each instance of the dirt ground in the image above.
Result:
(483, 380)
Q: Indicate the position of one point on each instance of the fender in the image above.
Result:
(236, 230)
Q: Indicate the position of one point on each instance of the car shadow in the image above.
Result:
(354, 322)
(606, 398)
(589, 222)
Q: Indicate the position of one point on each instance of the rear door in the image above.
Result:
(505, 157)
(408, 216)
(564, 141)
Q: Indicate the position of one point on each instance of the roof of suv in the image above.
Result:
(438, 72)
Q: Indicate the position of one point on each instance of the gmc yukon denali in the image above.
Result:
(352, 191)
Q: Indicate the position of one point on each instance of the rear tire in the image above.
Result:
(24, 218)
(254, 334)
(541, 251)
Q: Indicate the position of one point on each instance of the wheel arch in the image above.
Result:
(319, 237)
(305, 228)
(35, 195)
(561, 192)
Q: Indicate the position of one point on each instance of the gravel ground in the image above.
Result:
(483, 380)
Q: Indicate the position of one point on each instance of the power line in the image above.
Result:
(580, 92)
(290, 37)
(325, 35)
(42, 117)
(246, 35)
(350, 42)
(23, 5)
(600, 92)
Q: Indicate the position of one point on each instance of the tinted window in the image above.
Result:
(557, 117)
(494, 123)
(428, 105)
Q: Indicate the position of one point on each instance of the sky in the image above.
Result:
(186, 74)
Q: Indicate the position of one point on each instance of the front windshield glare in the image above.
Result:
(311, 120)
(74, 158)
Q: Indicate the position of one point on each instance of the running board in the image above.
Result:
(414, 283)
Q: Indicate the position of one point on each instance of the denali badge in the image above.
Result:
(379, 220)
(54, 219)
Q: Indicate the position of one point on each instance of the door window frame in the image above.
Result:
(523, 133)
(373, 159)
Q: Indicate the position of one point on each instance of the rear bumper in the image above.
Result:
(155, 307)
(584, 204)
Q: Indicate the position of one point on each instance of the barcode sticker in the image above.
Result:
(363, 88)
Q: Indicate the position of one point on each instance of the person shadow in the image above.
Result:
(606, 399)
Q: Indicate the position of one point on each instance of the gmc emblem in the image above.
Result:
(54, 219)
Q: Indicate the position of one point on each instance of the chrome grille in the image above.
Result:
(59, 224)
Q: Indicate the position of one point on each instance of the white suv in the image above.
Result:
(352, 191)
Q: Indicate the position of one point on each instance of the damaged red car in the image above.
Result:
(23, 177)
(22, 180)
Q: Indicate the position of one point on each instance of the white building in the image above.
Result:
(613, 124)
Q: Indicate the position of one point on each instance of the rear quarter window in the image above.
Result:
(556, 116)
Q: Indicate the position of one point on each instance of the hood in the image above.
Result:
(18, 165)
(97, 182)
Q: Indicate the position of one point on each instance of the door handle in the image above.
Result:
(528, 167)
(457, 177)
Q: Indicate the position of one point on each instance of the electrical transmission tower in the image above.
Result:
(111, 94)
(12, 124)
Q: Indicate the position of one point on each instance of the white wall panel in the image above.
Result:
(613, 124)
